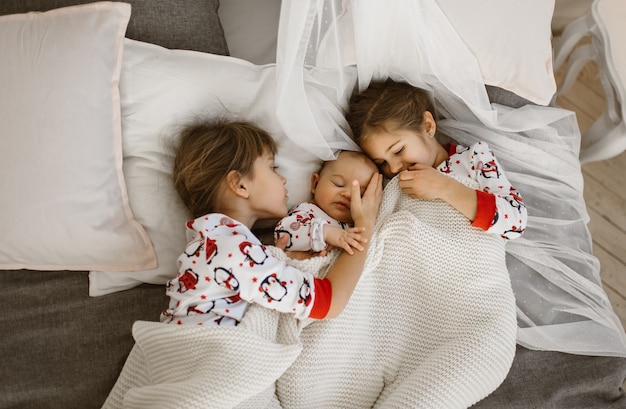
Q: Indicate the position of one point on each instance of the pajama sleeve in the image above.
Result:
(501, 209)
(273, 284)
(225, 267)
(304, 226)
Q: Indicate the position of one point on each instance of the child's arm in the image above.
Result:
(496, 206)
(426, 182)
(345, 273)
(343, 276)
(332, 293)
(500, 205)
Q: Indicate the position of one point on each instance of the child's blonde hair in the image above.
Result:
(387, 106)
(208, 151)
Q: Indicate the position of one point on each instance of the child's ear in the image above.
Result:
(428, 123)
(237, 184)
(315, 178)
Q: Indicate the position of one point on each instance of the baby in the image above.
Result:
(313, 226)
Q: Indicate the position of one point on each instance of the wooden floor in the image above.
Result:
(605, 191)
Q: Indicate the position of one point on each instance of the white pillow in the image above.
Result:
(163, 90)
(511, 39)
(63, 201)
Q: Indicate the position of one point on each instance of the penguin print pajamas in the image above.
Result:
(225, 267)
(500, 206)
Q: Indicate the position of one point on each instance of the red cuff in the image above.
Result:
(485, 210)
(452, 149)
(323, 295)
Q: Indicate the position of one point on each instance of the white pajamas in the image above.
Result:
(225, 268)
(500, 206)
(305, 227)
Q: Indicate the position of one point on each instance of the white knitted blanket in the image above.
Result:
(431, 324)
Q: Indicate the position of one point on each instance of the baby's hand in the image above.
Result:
(345, 239)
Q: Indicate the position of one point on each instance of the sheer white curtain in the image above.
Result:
(345, 44)
(306, 91)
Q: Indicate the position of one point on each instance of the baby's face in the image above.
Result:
(332, 187)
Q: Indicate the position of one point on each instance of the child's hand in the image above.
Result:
(423, 182)
(365, 209)
(345, 239)
(426, 182)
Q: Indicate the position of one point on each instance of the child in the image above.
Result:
(311, 225)
(394, 124)
(225, 174)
